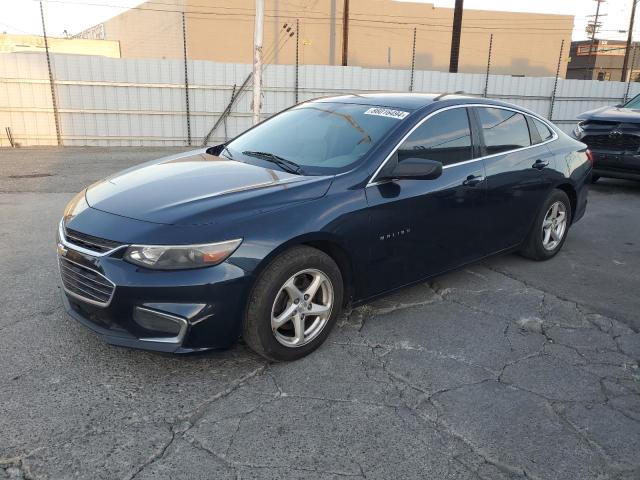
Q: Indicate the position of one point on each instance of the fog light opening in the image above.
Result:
(165, 327)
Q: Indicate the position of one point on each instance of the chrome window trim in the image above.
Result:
(372, 182)
(178, 338)
(72, 246)
(80, 297)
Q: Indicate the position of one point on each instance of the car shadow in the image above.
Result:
(614, 185)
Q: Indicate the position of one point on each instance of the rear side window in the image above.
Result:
(503, 130)
(543, 130)
(445, 137)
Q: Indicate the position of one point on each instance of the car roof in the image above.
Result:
(408, 101)
(413, 101)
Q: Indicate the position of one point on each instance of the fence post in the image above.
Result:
(413, 59)
(555, 84)
(233, 94)
(186, 78)
(486, 81)
(54, 102)
(633, 62)
(297, 57)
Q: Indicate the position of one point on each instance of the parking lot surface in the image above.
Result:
(508, 369)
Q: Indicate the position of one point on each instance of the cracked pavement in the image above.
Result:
(507, 369)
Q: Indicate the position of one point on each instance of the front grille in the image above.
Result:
(85, 283)
(89, 242)
(621, 142)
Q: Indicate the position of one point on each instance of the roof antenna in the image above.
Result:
(442, 95)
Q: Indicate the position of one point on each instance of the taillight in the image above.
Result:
(590, 157)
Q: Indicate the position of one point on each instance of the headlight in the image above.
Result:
(578, 131)
(175, 257)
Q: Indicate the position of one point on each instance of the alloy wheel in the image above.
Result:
(554, 225)
(302, 308)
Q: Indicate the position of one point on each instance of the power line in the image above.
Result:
(15, 28)
(323, 18)
(305, 9)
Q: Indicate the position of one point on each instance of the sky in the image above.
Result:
(23, 16)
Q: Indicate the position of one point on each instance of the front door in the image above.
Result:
(423, 227)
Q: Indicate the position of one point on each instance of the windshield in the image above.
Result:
(322, 138)
(633, 103)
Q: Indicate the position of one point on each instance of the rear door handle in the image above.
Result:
(540, 164)
(473, 180)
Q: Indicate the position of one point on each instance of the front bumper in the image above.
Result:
(616, 164)
(116, 335)
(205, 305)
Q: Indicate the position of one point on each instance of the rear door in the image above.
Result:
(424, 227)
(519, 173)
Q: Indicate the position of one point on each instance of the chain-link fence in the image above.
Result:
(178, 72)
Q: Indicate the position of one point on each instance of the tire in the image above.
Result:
(595, 178)
(534, 246)
(269, 301)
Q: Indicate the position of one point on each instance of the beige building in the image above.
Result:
(380, 34)
(81, 46)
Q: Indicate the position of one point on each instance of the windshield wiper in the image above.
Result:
(286, 165)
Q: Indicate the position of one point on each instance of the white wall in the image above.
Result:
(114, 102)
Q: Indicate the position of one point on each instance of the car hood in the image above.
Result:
(196, 188)
(612, 114)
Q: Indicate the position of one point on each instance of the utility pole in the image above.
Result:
(455, 37)
(54, 102)
(257, 60)
(345, 33)
(625, 64)
(593, 27)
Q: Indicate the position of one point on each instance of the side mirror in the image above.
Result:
(416, 168)
(216, 149)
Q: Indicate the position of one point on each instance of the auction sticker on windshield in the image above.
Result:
(386, 112)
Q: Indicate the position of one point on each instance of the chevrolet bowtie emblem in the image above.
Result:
(62, 251)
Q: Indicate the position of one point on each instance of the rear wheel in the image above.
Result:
(550, 228)
(293, 305)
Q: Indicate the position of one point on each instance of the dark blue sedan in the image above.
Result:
(331, 202)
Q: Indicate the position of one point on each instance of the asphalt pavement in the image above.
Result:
(507, 369)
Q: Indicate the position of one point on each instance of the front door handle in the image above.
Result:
(473, 180)
(540, 164)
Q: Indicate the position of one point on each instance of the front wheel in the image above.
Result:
(293, 305)
(550, 228)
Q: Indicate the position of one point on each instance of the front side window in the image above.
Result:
(445, 137)
(503, 130)
(322, 138)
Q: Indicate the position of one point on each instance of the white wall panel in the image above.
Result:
(105, 101)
